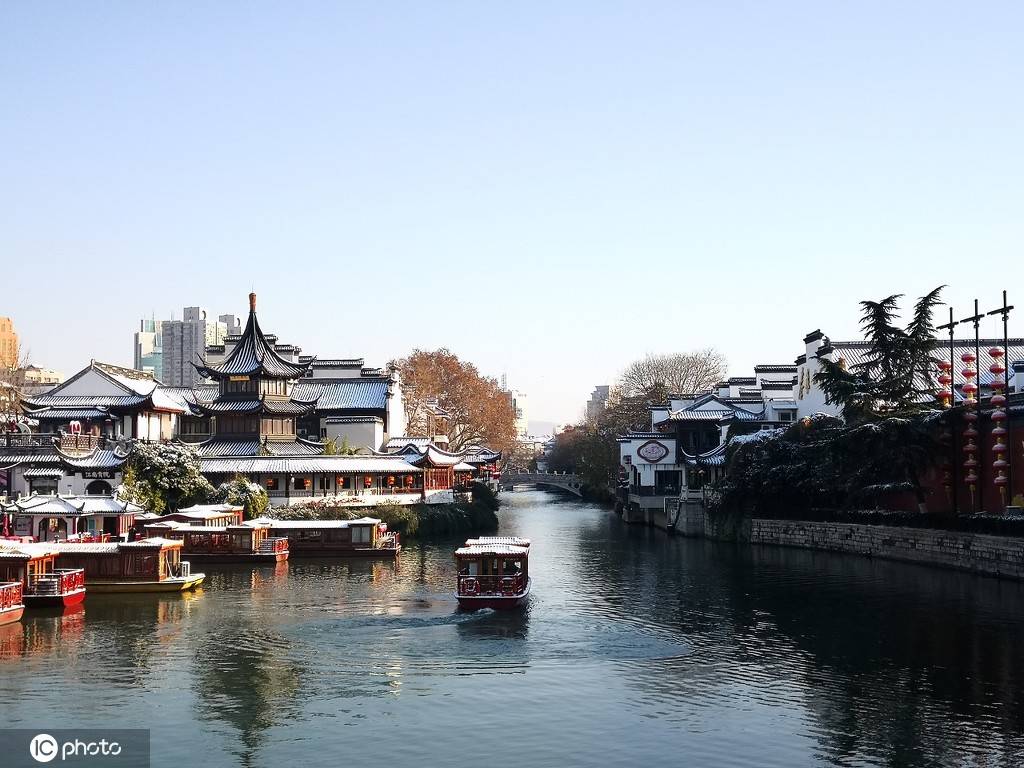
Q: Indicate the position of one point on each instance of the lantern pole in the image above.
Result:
(1005, 312)
(980, 480)
(954, 455)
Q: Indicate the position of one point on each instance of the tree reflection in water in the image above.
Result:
(251, 687)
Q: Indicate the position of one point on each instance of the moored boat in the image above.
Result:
(43, 585)
(225, 543)
(493, 572)
(362, 537)
(11, 605)
(149, 565)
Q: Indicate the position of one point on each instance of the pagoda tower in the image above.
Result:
(255, 383)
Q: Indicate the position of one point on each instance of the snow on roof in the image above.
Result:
(491, 549)
(515, 541)
(21, 550)
(266, 522)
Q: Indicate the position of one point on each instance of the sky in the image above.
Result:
(550, 190)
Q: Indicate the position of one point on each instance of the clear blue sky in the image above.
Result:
(549, 189)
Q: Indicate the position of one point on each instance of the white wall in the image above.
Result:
(360, 435)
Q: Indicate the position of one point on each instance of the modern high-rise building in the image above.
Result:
(184, 342)
(10, 351)
(149, 347)
(597, 402)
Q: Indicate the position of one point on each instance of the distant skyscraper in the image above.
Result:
(597, 402)
(9, 349)
(149, 348)
(184, 342)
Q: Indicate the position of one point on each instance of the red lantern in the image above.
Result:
(998, 400)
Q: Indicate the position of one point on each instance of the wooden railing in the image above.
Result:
(388, 541)
(61, 581)
(80, 442)
(10, 595)
(492, 585)
(274, 545)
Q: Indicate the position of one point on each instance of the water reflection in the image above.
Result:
(249, 686)
(634, 648)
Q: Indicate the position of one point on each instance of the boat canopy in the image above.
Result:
(514, 541)
(487, 550)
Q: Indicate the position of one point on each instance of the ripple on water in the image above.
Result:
(635, 648)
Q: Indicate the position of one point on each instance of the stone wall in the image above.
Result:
(990, 555)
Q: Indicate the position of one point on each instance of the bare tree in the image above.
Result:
(12, 379)
(695, 371)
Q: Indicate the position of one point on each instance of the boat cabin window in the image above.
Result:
(512, 567)
(489, 566)
(469, 568)
(361, 534)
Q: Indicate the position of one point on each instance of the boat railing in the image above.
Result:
(10, 595)
(512, 584)
(388, 540)
(182, 571)
(273, 545)
(60, 581)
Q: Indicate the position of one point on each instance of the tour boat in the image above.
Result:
(362, 537)
(149, 565)
(43, 585)
(493, 572)
(11, 605)
(224, 543)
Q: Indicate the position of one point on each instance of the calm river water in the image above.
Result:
(636, 649)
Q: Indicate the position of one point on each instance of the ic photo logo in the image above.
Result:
(43, 748)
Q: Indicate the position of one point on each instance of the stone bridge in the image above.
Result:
(562, 482)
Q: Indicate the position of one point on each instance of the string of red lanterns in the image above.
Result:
(970, 390)
(998, 401)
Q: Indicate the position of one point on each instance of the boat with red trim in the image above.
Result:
(11, 605)
(43, 585)
(493, 572)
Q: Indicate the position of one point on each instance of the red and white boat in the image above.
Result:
(11, 605)
(43, 585)
(493, 572)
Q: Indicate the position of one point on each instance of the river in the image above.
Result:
(635, 649)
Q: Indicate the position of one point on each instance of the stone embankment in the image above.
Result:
(979, 553)
(1001, 556)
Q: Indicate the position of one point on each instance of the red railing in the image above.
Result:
(10, 595)
(274, 545)
(61, 581)
(492, 585)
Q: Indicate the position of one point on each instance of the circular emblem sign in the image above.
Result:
(652, 451)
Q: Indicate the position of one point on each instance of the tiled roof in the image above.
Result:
(254, 405)
(300, 464)
(86, 401)
(354, 420)
(742, 380)
(44, 472)
(253, 354)
(35, 459)
(700, 415)
(396, 443)
(435, 457)
(71, 505)
(98, 459)
(774, 368)
(342, 394)
(248, 448)
(68, 414)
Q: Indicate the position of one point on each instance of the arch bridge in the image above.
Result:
(557, 481)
